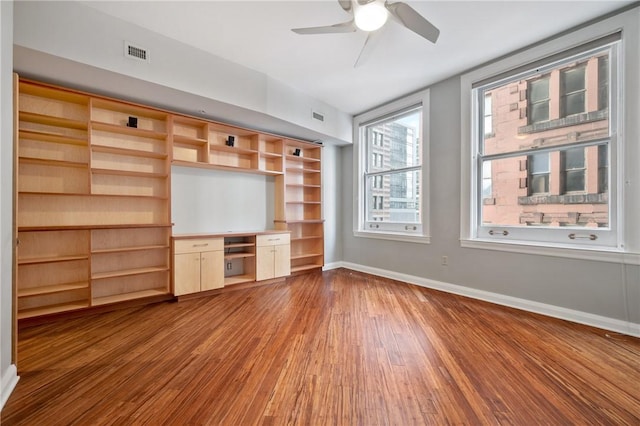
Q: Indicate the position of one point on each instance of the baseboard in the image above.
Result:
(333, 265)
(8, 383)
(606, 323)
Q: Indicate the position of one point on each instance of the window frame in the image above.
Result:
(398, 231)
(625, 235)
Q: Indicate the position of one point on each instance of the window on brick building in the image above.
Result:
(573, 94)
(573, 170)
(548, 169)
(538, 98)
(538, 166)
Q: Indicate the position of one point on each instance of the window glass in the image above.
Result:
(393, 172)
(536, 166)
(539, 100)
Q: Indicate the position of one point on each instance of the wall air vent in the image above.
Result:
(317, 116)
(135, 52)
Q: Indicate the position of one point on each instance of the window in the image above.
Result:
(538, 96)
(554, 150)
(538, 173)
(572, 91)
(488, 121)
(603, 169)
(603, 82)
(487, 191)
(573, 170)
(390, 171)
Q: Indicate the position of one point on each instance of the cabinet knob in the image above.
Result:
(201, 245)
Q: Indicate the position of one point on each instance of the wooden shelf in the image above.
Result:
(51, 309)
(304, 202)
(270, 154)
(127, 249)
(58, 163)
(305, 256)
(52, 259)
(238, 279)
(314, 237)
(90, 227)
(235, 245)
(99, 301)
(50, 289)
(50, 120)
(307, 267)
(203, 165)
(238, 255)
(303, 185)
(189, 141)
(302, 159)
(128, 173)
(133, 131)
(127, 272)
(127, 151)
(300, 170)
(51, 137)
(236, 150)
(303, 221)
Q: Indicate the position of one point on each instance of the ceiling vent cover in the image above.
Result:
(135, 52)
(317, 116)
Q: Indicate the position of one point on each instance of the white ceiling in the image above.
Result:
(256, 34)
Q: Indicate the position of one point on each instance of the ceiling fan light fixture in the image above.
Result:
(370, 17)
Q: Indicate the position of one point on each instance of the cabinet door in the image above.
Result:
(211, 270)
(186, 276)
(264, 262)
(282, 260)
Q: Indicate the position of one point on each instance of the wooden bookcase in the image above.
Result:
(92, 207)
(93, 202)
(300, 204)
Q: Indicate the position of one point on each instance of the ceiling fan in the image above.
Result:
(370, 16)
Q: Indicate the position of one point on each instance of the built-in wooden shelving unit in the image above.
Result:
(93, 196)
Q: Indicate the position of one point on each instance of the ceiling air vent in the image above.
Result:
(135, 52)
(317, 116)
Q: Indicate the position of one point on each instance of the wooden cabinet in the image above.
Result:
(198, 265)
(272, 256)
(213, 261)
(300, 205)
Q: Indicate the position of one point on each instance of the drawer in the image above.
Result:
(197, 245)
(272, 239)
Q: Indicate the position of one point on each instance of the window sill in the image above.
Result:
(588, 253)
(393, 236)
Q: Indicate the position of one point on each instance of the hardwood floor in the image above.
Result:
(338, 347)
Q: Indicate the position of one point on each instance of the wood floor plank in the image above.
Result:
(332, 348)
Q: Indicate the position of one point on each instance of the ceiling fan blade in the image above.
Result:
(369, 44)
(411, 19)
(346, 5)
(344, 27)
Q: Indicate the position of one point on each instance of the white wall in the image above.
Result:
(332, 184)
(78, 33)
(213, 201)
(8, 375)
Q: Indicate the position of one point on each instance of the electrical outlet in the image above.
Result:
(445, 260)
(229, 266)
